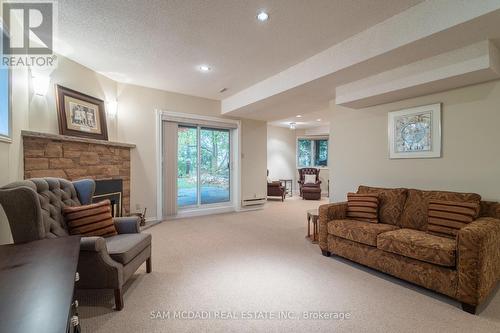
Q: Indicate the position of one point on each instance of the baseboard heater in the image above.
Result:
(253, 202)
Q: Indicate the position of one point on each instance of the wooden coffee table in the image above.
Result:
(313, 215)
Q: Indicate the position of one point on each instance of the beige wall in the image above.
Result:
(11, 161)
(69, 74)
(470, 155)
(281, 153)
(253, 159)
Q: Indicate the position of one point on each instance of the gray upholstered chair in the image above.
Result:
(34, 210)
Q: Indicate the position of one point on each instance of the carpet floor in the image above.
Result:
(255, 272)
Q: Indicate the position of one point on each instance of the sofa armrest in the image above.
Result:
(127, 225)
(478, 262)
(93, 244)
(96, 268)
(327, 213)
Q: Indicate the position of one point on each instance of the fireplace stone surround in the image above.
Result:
(72, 158)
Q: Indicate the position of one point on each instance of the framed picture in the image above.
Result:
(415, 132)
(81, 115)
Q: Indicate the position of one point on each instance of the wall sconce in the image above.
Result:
(112, 108)
(41, 85)
(293, 126)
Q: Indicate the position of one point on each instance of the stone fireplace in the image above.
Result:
(51, 155)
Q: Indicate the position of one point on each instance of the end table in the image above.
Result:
(313, 215)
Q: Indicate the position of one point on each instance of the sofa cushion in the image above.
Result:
(446, 218)
(391, 202)
(358, 231)
(125, 247)
(90, 220)
(419, 245)
(415, 210)
(362, 207)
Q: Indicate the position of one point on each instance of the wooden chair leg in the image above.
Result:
(149, 265)
(118, 299)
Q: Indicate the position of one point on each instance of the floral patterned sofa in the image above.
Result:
(466, 268)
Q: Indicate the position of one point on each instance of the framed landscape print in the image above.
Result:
(415, 132)
(81, 115)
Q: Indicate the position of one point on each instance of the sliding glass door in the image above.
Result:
(203, 166)
(214, 165)
(187, 166)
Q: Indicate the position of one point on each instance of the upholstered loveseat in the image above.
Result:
(466, 268)
(34, 210)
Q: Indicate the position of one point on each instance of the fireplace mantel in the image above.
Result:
(50, 136)
(72, 158)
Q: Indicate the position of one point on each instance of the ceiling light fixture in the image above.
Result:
(319, 119)
(298, 116)
(205, 68)
(262, 16)
(292, 126)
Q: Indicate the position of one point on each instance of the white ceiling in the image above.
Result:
(159, 44)
(306, 120)
(414, 38)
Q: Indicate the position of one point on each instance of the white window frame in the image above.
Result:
(8, 138)
(313, 157)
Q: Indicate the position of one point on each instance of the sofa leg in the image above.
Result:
(149, 265)
(118, 299)
(469, 308)
(325, 253)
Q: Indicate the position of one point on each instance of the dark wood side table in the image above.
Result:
(313, 216)
(288, 190)
(37, 281)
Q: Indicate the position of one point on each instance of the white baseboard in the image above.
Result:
(201, 212)
(250, 208)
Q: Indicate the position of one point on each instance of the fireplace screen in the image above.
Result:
(111, 189)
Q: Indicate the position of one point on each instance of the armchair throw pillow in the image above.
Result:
(90, 220)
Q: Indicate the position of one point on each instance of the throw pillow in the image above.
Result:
(309, 179)
(446, 218)
(90, 220)
(362, 207)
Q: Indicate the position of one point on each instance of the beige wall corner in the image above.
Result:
(253, 159)
(11, 159)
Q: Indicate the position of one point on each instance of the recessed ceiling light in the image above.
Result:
(298, 116)
(204, 68)
(319, 119)
(262, 16)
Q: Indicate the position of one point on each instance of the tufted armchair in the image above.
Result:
(34, 210)
(308, 171)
